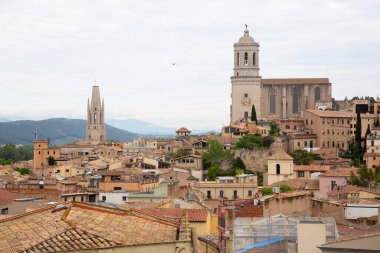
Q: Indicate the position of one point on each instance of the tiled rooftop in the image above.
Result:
(339, 172)
(316, 168)
(176, 213)
(26, 231)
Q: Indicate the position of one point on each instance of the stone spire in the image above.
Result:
(95, 132)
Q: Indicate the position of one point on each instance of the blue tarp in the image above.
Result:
(259, 244)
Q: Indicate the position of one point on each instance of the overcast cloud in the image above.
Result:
(51, 52)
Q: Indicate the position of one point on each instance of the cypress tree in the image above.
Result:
(253, 114)
(358, 133)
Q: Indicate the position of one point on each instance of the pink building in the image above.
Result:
(333, 179)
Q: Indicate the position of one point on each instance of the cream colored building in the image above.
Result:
(272, 98)
(228, 187)
(280, 167)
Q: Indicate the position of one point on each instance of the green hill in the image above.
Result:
(58, 130)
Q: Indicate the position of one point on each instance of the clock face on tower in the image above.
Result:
(246, 101)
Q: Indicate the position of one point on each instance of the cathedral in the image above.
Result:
(283, 98)
(96, 130)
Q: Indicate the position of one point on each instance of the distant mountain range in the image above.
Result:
(58, 130)
(141, 127)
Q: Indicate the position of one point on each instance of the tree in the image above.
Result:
(358, 133)
(214, 153)
(274, 129)
(267, 141)
(51, 161)
(377, 122)
(213, 172)
(365, 177)
(238, 164)
(180, 153)
(303, 157)
(253, 114)
(249, 141)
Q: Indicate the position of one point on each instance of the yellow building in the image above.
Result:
(238, 187)
(42, 152)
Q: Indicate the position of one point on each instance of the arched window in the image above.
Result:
(272, 100)
(245, 95)
(296, 100)
(254, 59)
(317, 94)
(287, 127)
(238, 59)
(245, 58)
(95, 119)
(278, 169)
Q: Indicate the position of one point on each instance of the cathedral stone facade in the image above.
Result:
(272, 98)
(96, 130)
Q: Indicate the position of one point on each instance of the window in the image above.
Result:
(124, 198)
(95, 118)
(278, 169)
(254, 59)
(238, 59)
(333, 185)
(81, 199)
(301, 173)
(246, 116)
(245, 58)
(65, 199)
(221, 193)
(235, 194)
(4, 211)
(39, 152)
(104, 198)
(249, 193)
(208, 194)
(117, 188)
(372, 143)
(272, 101)
(296, 98)
(317, 94)
(67, 170)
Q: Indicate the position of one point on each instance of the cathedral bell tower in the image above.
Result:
(96, 130)
(246, 81)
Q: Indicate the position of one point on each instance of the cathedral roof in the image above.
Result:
(295, 81)
(183, 130)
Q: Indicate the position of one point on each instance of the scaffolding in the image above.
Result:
(276, 234)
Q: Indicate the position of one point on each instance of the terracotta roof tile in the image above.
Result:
(69, 240)
(317, 168)
(279, 155)
(183, 130)
(23, 232)
(339, 172)
(176, 213)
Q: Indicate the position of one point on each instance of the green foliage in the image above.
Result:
(274, 129)
(214, 153)
(23, 171)
(377, 198)
(356, 154)
(365, 177)
(238, 164)
(377, 122)
(368, 132)
(253, 114)
(312, 194)
(180, 153)
(11, 152)
(249, 141)
(51, 161)
(213, 172)
(285, 188)
(267, 141)
(358, 133)
(266, 191)
(303, 157)
(5, 161)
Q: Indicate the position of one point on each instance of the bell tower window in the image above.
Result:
(95, 119)
(254, 59)
(245, 58)
(238, 59)
(272, 101)
(317, 94)
(296, 98)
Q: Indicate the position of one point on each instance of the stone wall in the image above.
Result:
(254, 159)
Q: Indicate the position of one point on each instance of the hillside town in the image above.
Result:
(294, 170)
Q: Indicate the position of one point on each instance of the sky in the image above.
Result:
(52, 52)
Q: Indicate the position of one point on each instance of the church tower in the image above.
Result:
(246, 81)
(96, 130)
